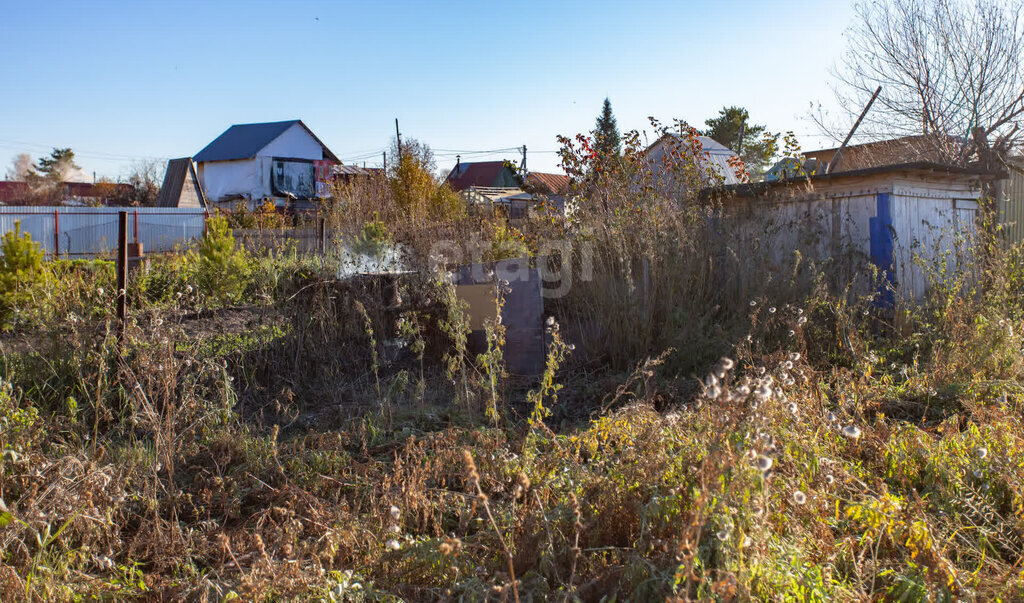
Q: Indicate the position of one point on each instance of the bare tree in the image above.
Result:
(951, 69)
(20, 168)
(146, 176)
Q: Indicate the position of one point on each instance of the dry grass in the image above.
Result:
(278, 451)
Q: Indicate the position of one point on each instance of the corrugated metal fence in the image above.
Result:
(92, 231)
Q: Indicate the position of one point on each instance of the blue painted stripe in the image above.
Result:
(883, 249)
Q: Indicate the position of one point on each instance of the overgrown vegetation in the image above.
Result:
(266, 431)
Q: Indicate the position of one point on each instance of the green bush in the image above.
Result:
(223, 270)
(373, 239)
(21, 271)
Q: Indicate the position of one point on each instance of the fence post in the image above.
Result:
(136, 220)
(321, 232)
(56, 234)
(122, 270)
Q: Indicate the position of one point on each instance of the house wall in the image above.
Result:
(296, 143)
(190, 196)
(246, 177)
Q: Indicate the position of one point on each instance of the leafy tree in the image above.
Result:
(56, 168)
(752, 142)
(223, 269)
(21, 271)
(607, 141)
(415, 186)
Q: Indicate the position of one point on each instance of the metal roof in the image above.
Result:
(243, 141)
(355, 170)
(481, 173)
(925, 168)
(553, 184)
(174, 182)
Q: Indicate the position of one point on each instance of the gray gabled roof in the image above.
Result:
(243, 141)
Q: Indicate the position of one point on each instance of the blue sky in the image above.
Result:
(123, 81)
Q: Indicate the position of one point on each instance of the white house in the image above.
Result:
(676, 167)
(281, 162)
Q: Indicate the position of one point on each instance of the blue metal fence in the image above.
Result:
(92, 231)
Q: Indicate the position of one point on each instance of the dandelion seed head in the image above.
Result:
(550, 321)
(393, 544)
(764, 463)
(747, 541)
(771, 310)
(100, 291)
(829, 479)
(727, 363)
(792, 408)
(978, 473)
(723, 535)
(799, 497)
(396, 513)
(981, 451)
(753, 303)
(714, 392)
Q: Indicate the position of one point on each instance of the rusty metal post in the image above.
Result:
(122, 269)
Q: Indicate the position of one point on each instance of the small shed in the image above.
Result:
(515, 202)
(902, 218)
(181, 186)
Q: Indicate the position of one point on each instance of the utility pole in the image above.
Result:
(385, 161)
(524, 159)
(398, 136)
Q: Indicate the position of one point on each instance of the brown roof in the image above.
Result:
(480, 173)
(549, 184)
(920, 168)
(906, 149)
